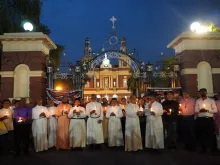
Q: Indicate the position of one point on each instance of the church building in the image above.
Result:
(109, 80)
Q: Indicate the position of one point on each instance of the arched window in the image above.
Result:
(21, 81)
(204, 77)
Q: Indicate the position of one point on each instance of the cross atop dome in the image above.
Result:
(113, 19)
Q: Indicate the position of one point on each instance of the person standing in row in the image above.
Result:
(205, 107)
(114, 113)
(133, 141)
(217, 122)
(94, 123)
(154, 137)
(170, 118)
(39, 126)
(105, 120)
(23, 118)
(52, 124)
(77, 128)
(187, 109)
(123, 119)
(62, 112)
(6, 112)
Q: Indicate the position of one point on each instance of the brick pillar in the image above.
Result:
(23, 68)
(199, 58)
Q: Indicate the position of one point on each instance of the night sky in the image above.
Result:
(148, 25)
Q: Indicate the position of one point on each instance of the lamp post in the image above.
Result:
(149, 73)
(176, 69)
(80, 76)
(146, 74)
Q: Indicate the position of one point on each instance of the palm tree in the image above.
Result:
(134, 85)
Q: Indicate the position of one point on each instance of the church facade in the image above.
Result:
(108, 80)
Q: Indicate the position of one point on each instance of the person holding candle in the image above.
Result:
(77, 128)
(23, 118)
(105, 120)
(94, 123)
(170, 119)
(217, 121)
(62, 112)
(39, 126)
(114, 113)
(187, 112)
(123, 119)
(133, 141)
(52, 124)
(154, 137)
(205, 108)
(142, 118)
(6, 114)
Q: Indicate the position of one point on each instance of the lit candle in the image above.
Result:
(179, 112)
(141, 109)
(180, 105)
(170, 110)
(19, 120)
(6, 113)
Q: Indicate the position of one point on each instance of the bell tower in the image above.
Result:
(124, 61)
(87, 51)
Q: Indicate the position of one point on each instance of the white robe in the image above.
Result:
(154, 137)
(115, 136)
(133, 141)
(77, 128)
(94, 129)
(52, 127)
(39, 128)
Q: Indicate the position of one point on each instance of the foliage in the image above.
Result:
(134, 84)
(165, 66)
(13, 13)
(55, 56)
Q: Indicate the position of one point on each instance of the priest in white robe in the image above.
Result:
(115, 136)
(52, 124)
(77, 128)
(154, 137)
(94, 123)
(133, 141)
(39, 126)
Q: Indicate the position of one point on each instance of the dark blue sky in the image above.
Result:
(148, 25)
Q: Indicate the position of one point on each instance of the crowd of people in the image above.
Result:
(137, 123)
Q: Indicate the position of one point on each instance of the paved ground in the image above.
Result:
(109, 156)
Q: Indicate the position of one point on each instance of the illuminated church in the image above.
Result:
(109, 80)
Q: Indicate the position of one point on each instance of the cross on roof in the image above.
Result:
(113, 19)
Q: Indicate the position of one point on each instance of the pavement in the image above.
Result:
(109, 156)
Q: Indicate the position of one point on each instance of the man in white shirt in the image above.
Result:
(94, 123)
(133, 141)
(39, 126)
(154, 137)
(114, 113)
(52, 124)
(205, 108)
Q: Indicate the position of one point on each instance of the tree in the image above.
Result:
(134, 85)
(164, 71)
(15, 12)
(55, 56)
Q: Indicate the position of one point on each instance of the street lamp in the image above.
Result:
(28, 26)
(199, 28)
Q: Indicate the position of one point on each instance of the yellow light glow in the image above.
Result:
(58, 88)
(199, 28)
